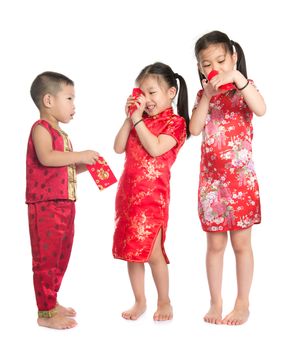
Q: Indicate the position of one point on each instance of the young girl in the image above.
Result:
(228, 188)
(151, 138)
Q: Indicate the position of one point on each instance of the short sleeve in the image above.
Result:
(176, 127)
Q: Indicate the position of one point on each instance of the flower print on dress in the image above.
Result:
(228, 187)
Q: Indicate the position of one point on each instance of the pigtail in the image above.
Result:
(241, 62)
(182, 101)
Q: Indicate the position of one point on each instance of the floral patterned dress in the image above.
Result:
(228, 188)
(143, 192)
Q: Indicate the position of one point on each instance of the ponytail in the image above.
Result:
(182, 101)
(241, 62)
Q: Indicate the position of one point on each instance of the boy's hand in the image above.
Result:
(88, 157)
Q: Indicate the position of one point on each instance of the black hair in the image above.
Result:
(45, 83)
(170, 78)
(214, 38)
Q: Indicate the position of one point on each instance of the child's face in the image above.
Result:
(63, 108)
(217, 58)
(158, 96)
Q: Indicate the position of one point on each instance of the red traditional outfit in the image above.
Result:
(228, 188)
(143, 192)
(50, 195)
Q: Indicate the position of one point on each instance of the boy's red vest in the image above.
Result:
(48, 183)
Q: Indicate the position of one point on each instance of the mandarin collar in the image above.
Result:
(166, 113)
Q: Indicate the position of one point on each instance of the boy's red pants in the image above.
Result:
(51, 226)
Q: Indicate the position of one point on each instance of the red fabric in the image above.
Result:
(51, 226)
(228, 187)
(45, 183)
(143, 193)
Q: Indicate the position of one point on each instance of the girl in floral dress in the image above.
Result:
(151, 138)
(228, 189)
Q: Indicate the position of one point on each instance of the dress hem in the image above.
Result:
(136, 261)
(161, 228)
(235, 229)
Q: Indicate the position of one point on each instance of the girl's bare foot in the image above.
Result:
(135, 312)
(57, 322)
(238, 316)
(214, 314)
(164, 312)
(65, 311)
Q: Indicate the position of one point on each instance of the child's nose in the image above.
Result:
(215, 67)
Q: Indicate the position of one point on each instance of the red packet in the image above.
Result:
(227, 87)
(136, 93)
(102, 173)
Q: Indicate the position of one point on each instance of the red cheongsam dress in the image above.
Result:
(143, 192)
(50, 195)
(228, 189)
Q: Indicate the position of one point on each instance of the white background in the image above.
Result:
(102, 46)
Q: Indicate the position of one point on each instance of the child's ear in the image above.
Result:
(47, 100)
(235, 58)
(172, 92)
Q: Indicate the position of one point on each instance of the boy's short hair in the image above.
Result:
(47, 83)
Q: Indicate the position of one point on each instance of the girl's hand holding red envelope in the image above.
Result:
(215, 82)
(135, 100)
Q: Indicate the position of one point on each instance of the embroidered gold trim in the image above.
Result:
(72, 175)
(47, 313)
(72, 182)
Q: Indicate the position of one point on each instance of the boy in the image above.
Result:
(51, 168)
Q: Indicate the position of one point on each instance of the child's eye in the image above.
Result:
(152, 92)
(205, 65)
(221, 61)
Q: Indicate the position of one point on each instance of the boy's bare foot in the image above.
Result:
(57, 322)
(65, 311)
(164, 312)
(238, 316)
(214, 314)
(135, 312)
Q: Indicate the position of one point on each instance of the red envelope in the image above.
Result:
(136, 93)
(228, 86)
(102, 173)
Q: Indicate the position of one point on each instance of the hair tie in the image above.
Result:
(176, 75)
(232, 42)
